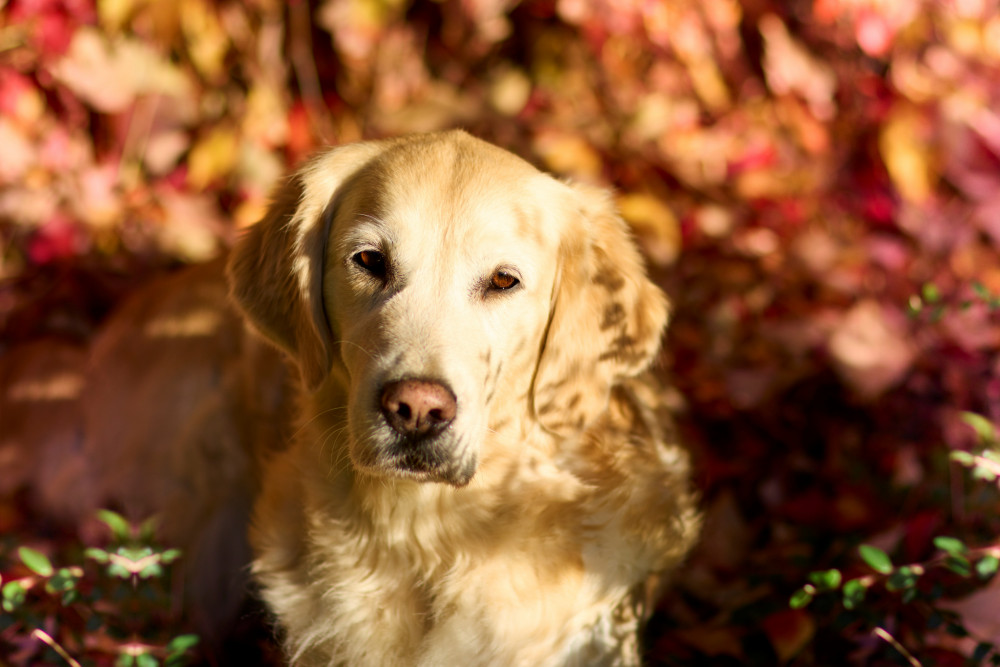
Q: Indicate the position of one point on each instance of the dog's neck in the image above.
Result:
(429, 520)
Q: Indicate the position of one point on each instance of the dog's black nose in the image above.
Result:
(418, 408)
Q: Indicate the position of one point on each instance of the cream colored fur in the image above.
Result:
(557, 492)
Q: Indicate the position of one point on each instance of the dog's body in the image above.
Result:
(481, 475)
(481, 471)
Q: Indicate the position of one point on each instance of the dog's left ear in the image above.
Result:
(606, 322)
(276, 270)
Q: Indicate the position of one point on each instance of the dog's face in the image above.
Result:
(439, 275)
(454, 290)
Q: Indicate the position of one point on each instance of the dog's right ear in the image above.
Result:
(276, 270)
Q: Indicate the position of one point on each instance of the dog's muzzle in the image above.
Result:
(420, 412)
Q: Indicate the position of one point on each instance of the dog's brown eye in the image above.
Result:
(371, 261)
(501, 280)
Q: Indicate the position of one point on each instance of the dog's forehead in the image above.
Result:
(463, 187)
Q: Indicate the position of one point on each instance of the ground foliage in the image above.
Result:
(815, 183)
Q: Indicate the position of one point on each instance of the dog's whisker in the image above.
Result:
(319, 415)
(344, 341)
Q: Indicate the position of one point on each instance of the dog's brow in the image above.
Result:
(365, 227)
(374, 218)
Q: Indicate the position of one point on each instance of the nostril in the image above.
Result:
(418, 408)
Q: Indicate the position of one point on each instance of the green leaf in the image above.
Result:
(118, 570)
(950, 545)
(854, 593)
(902, 579)
(146, 660)
(981, 291)
(151, 570)
(800, 598)
(987, 566)
(169, 556)
(984, 472)
(826, 580)
(120, 528)
(36, 561)
(63, 580)
(182, 643)
(125, 660)
(930, 293)
(959, 565)
(965, 458)
(875, 558)
(135, 554)
(100, 555)
(983, 427)
(13, 593)
(148, 529)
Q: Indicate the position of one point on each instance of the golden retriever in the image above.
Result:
(483, 473)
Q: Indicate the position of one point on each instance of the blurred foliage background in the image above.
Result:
(815, 182)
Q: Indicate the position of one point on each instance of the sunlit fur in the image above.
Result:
(555, 494)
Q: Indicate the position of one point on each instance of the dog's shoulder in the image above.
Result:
(639, 475)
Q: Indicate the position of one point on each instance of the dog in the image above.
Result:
(483, 471)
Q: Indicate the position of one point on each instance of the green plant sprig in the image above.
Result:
(930, 302)
(954, 556)
(130, 559)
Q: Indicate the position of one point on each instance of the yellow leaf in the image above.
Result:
(207, 42)
(109, 74)
(191, 228)
(259, 168)
(568, 154)
(966, 36)
(212, 157)
(791, 69)
(991, 40)
(114, 13)
(250, 212)
(20, 154)
(656, 225)
(266, 116)
(907, 155)
(510, 91)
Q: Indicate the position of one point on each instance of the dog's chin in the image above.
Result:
(433, 461)
(457, 475)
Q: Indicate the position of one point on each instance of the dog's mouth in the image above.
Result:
(436, 460)
(414, 434)
(431, 462)
(380, 451)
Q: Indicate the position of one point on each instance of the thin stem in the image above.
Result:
(47, 638)
(884, 634)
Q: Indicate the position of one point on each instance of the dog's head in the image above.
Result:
(453, 290)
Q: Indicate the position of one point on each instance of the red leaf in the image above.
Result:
(56, 240)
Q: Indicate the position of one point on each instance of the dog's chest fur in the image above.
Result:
(534, 563)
